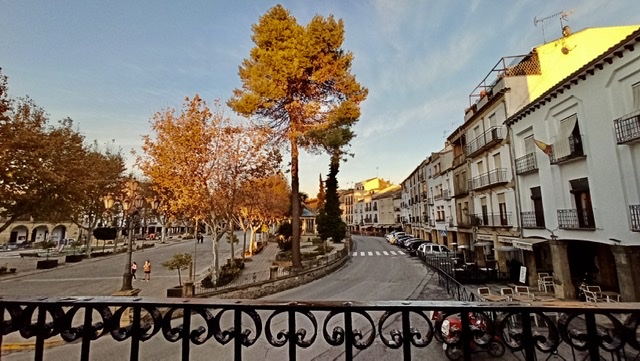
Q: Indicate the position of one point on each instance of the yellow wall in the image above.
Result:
(580, 48)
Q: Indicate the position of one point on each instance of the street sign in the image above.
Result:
(443, 233)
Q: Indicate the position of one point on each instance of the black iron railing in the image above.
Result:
(492, 136)
(494, 177)
(491, 220)
(526, 164)
(530, 220)
(634, 213)
(573, 219)
(243, 329)
(627, 127)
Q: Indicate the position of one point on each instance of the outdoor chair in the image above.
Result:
(506, 291)
(522, 290)
(541, 276)
(546, 284)
(483, 291)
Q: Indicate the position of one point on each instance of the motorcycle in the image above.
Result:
(483, 337)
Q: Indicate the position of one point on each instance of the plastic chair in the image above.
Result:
(522, 290)
(547, 283)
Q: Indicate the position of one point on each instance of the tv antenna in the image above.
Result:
(563, 15)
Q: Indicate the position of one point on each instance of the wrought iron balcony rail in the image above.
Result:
(304, 330)
(575, 145)
(438, 196)
(491, 220)
(627, 127)
(572, 219)
(634, 213)
(529, 220)
(494, 177)
(526, 164)
(492, 136)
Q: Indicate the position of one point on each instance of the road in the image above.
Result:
(378, 274)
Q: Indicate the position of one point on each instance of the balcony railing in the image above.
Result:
(438, 196)
(572, 219)
(446, 194)
(529, 220)
(526, 164)
(634, 213)
(628, 127)
(491, 220)
(494, 177)
(245, 329)
(490, 137)
(575, 144)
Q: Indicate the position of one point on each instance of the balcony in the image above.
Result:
(464, 221)
(575, 144)
(430, 201)
(490, 179)
(572, 219)
(526, 164)
(432, 222)
(438, 196)
(634, 213)
(242, 329)
(492, 136)
(461, 189)
(425, 219)
(446, 194)
(491, 220)
(459, 160)
(627, 128)
(530, 221)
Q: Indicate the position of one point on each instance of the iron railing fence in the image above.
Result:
(627, 127)
(244, 329)
(526, 164)
(634, 213)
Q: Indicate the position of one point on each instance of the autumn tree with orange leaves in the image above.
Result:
(197, 161)
(262, 203)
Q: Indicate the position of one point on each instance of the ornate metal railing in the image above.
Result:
(526, 164)
(416, 329)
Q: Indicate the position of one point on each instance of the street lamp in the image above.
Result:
(155, 205)
(131, 202)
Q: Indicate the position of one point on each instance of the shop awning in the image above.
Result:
(527, 244)
(506, 248)
(483, 243)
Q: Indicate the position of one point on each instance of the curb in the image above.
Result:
(29, 345)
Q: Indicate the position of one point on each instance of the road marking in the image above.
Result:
(370, 253)
(355, 254)
(385, 253)
(401, 252)
(377, 253)
(393, 253)
(362, 254)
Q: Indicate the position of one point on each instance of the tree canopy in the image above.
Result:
(298, 80)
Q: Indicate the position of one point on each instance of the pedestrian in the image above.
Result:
(201, 238)
(147, 270)
(134, 268)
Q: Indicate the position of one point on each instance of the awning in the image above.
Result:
(463, 246)
(527, 244)
(483, 243)
(506, 248)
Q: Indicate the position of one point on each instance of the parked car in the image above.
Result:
(412, 247)
(400, 240)
(390, 235)
(396, 239)
(431, 248)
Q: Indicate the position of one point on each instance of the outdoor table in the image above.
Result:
(610, 296)
(495, 298)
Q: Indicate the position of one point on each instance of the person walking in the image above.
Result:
(147, 270)
(134, 268)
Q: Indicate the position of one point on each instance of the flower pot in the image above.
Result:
(174, 292)
(47, 264)
(73, 258)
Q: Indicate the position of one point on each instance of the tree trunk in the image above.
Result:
(295, 207)
(230, 237)
(244, 243)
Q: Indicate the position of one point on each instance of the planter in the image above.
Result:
(174, 292)
(47, 264)
(73, 258)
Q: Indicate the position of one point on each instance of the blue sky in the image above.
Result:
(110, 65)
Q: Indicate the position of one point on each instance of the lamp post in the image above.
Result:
(131, 202)
(155, 205)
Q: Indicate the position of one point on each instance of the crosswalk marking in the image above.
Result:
(377, 253)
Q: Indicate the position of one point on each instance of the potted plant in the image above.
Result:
(75, 257)
(179, 262)
(47, 263)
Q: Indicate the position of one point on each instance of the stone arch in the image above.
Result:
(19, 234)
(39, 233)
(58, 233)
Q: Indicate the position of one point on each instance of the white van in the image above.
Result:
(431, 248)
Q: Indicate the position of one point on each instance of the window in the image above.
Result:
(568, 140)
(582, 198)
(480, 167)
(529, 145)
(538, 210)
(502, 206)
(497, 161)
(636, 96)
(485, 212)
